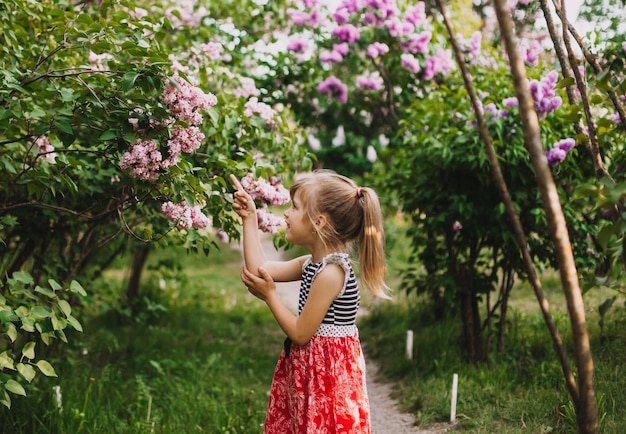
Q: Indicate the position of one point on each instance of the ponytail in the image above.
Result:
(372, 244)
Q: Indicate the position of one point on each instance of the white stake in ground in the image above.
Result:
(455, 383)
(409, 344)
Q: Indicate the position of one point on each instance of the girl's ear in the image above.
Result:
(321, 221)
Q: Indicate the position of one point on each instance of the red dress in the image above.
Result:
(319, 388)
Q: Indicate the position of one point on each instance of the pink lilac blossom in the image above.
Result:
(334, 88)
(184, 139)
(417, 42)
(557, 154)
(341, 15)
(330, 57)
(143, 160)
(212, 50)
(510, 102)
(398, 28)
(494, 112)
(272, 192)
(185, 100)
(299, 18)
(253, 106)
(248, 88)
(347, 33)
(45, 149)
(544, 94)
(297, 46)
(471, 48)
(439, 63)
(409, 62)
(416, 15)
(186, 15)
(269, 222)
(615, 118)
(372, 81)
(185, 216)
(222, 236)
(377, 49)
(530, 51)
(457, 226)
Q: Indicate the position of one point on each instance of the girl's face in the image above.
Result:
(300, 230)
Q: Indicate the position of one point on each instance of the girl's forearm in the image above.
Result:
(253, 253)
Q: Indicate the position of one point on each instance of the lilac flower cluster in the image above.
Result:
(144, 160)
(544, 94)
(45, 149)
(334, 88)
(471, 48)
(559, 151)
(351, 17)
(185, 216)
(253, 106)
(270, 192)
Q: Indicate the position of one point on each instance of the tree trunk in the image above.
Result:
(136, 269)
(471, 318)
(585, 402)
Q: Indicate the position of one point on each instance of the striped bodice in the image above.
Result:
(343, 310)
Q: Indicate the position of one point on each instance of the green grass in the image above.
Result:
(201, 361)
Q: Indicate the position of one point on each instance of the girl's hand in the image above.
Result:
(243, 203)
(261, 286)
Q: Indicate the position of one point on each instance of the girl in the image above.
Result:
(319, 381)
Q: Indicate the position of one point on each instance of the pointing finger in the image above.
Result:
(236, 182)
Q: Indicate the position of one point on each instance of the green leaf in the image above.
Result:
(74, 323)
(65, 307)
(54, 285)
(29, 350)
(15, 387)
(41, 312)
(108, 135)
(76, 288)
(128, 81)
(46, 368)
(27, 371)
(12, 332)
(63, 124)
(6, 399)
(45, 291)
(24, 277)
(6, 362)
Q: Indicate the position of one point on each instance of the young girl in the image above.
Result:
(319, 382)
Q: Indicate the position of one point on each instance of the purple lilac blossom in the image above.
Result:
(417, 42)
(398, 28)
(330, 56)
(615, 118)
(559, 151)
(457, 226)
(416, 15)
(372, 81)
(334, 88)
(347, 33)
(439, 63)
(408, 61)
(376, 49)
(544, 94)
(510, 102)
(297, 46)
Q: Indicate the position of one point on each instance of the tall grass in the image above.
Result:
(519, 390)
(200, 358)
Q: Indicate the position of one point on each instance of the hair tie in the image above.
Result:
(359, 192)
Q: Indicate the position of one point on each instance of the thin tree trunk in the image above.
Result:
(139, 260)
(515, 222)
(586, 412)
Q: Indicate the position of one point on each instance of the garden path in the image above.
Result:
(387, 417)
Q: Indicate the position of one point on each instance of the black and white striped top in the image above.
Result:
(342, 312)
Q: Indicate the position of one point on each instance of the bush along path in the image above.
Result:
(386, 415)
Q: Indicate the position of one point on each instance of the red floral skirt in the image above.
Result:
(319, 388)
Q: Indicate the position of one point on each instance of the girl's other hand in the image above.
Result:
(243, 203)
(261, 286)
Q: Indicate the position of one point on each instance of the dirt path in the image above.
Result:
(387, 418)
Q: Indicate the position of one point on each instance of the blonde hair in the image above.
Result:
(353, 214)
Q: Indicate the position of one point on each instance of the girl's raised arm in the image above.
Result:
(253, 253)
